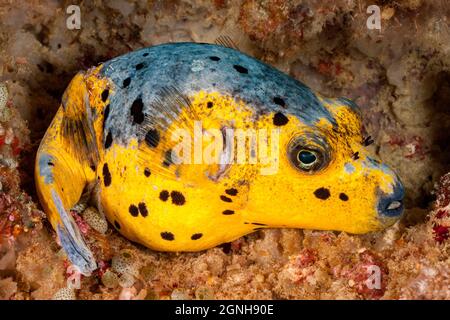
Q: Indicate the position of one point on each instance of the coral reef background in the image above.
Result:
(399, 76)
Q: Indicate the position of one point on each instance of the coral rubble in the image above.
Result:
(399, 75)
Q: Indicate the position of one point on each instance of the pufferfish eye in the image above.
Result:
(306, 157)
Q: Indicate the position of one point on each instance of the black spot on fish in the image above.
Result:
(105, 115)
(106, 175)
(343, 196)
(143, 209)
(108, 140)
(105, 95)
(322, 193)
(167, 158)
(134, 211)
(51, 164)
(145, 54)
(279, 101)
(225, 199)
(116, 224)
(209, 105)
(177, 198)
(196, 236)
(167, 236)
(355, 155)
(136, 111)
(231, 192)
(240, 69)
(152, 138)
(258, 224)
(139, 66)
(228, 212)
(280, 119)
(126, 82)
(214, 58)
(147, 172)
(164, 195)
(92, 167)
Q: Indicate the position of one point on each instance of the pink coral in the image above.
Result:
(82, 225)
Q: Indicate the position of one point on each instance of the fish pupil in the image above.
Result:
(306, 157)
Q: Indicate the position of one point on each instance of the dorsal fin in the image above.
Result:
(226, 41)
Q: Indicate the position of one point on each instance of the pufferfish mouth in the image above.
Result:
(394, 205)
(394, 209)
(391, 204)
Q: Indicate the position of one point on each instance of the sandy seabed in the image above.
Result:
(399, 76)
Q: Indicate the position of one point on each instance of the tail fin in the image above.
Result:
(60, 179)
(72, 241)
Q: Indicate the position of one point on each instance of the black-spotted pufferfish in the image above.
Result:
(152, 135)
